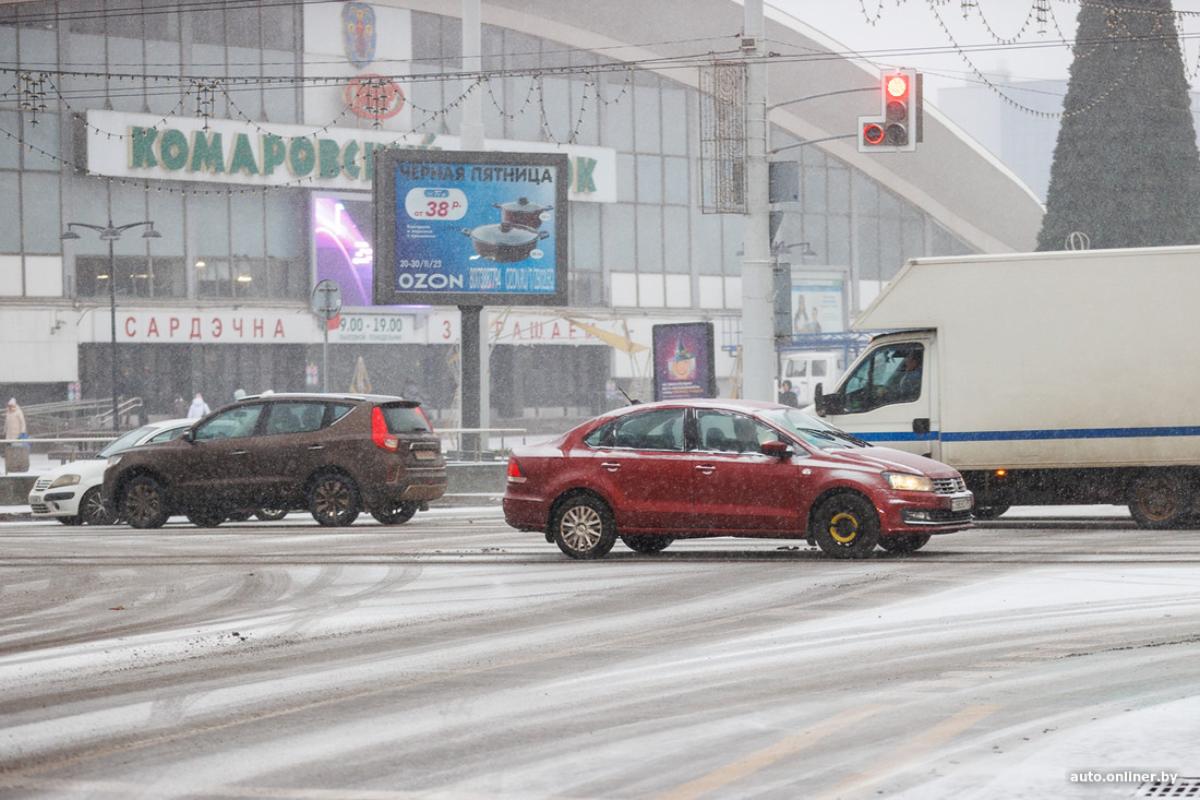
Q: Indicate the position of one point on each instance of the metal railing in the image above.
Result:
(72, 415)
(454, 436)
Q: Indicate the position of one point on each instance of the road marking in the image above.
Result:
(131, 789)
(729, 773)
(913, 748)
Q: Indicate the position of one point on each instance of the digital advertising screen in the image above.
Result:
(684, 366)
(470, 228)
(343, 229)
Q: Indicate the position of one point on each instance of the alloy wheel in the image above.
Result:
(581, 527)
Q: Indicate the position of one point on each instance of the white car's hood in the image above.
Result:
(89, 470)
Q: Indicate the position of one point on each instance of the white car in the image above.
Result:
(72, 492)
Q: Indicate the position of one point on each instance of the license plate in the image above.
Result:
(960, 503)
(424, 455)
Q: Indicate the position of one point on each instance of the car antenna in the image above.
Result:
(632, 402)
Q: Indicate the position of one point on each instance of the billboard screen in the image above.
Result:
(684, 366)
(343, 229)
(470, 228)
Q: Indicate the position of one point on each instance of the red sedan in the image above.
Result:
(654, 473)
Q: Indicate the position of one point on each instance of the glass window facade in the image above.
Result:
(41, 192)
(227, 246)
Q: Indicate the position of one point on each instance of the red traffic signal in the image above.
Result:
(897, 128)
(896, 85)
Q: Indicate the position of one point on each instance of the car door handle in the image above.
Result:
(316, 447)
(707, 469)
(239, 452)
(611, 466)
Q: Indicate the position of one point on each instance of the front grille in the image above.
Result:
(39, 508)
(42, 484)
(936, 516)
(949, 485)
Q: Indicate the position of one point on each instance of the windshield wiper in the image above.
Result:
(832, 433)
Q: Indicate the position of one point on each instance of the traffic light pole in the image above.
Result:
(758, 330)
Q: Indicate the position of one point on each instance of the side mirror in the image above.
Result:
(189, 436)
(820, 401)
(776, 449)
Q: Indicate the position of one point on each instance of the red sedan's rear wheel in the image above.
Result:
(845, 526)
(584, 527)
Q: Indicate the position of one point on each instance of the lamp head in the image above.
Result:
(69, 234)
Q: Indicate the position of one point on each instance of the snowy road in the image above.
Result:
(453, 657)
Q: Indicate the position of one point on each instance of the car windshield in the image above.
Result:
(126, 441)
(811, 430)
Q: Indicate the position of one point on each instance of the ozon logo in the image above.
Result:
(419, 280)
(372, 96)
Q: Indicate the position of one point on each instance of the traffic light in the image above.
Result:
(897, 129)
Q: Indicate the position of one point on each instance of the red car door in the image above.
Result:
(642, 463)
(735, 487)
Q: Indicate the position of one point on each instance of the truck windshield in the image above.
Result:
(811, 430)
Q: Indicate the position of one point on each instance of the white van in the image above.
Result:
(805, 369)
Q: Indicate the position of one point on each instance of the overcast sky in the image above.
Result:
(913, 24)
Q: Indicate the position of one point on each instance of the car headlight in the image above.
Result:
(909, 483)
(65, 480)
(113, 461)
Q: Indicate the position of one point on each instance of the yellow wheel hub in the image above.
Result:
(843, 533)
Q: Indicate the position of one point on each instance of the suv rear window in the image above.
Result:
(404, 418)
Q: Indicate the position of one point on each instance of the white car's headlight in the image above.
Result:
(65, 480)
(113, 461)
(909, 483)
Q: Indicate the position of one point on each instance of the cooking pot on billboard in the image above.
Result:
(505, 242)
(522, 212)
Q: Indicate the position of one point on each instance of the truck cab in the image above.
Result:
(887, 396)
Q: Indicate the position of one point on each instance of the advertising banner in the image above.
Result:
(817, 305)
(683, 361)
(343, 234)
(472, 229)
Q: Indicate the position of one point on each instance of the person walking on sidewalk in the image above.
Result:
(199, 408)
(14, 421)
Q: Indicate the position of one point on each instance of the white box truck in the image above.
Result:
(1045, 378)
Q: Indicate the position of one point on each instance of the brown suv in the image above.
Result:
(335, 455)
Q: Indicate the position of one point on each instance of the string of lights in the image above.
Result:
(1093, 102)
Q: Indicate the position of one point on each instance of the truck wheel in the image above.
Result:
(144, 503)
(1159, 501)
(845, 526)
(584, 527)
(904, 542)
(647, 545)
(989, 512)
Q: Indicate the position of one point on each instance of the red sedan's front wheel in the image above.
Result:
(584, 528)
(846, 526)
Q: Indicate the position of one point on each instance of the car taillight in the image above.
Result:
(514, 472)
(380, 435)
(425, 417)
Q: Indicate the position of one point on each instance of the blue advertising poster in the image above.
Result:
(683, 361)
(472, 228)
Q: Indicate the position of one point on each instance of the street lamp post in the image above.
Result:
(110, 233)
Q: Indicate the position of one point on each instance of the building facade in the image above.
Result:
(230, 164)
